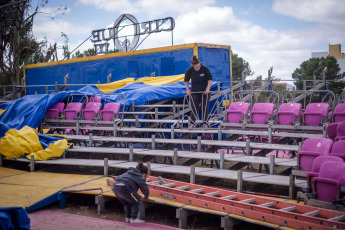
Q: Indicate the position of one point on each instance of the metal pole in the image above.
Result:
(32, 163)
(192, 174)
(131, 153)
(175, 160)
(106, 167)
(221, 162)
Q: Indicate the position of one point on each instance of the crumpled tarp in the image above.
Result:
(30, 110)
(26, 142)
(14, 218)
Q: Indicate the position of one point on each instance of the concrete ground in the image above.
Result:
(50, 220)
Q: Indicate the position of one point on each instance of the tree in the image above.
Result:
(22, 48)
(85, 53)
(238, 65)
(314, 67)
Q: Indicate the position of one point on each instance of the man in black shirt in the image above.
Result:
(201, 83)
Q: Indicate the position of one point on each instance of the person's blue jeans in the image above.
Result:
(129, 198)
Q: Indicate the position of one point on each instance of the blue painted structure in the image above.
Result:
(164, 61)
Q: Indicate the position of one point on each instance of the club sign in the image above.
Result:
(101, 37)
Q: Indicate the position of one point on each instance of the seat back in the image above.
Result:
(338, 149)
(91, 110)
(340, 131)
(331, 130)
(73, 110)
(55, 111)
(110, 111)
(97, 99)
(288, 113)
(339, 113)
(327, 190)
(322, 146)
(237, 110)
(315, 113)
(261, 112)
(318, 161)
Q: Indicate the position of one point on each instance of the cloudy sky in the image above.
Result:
(278, 33)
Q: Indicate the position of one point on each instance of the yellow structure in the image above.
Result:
(335, 51)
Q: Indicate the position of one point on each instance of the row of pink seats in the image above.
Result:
(288, 113)
(314, 147)
(92, 111)
(326, 178)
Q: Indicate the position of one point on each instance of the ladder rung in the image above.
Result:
(231, 197)
(269, 204)
(213, 193)
(153, 182)
(169, 185)
(337, 218)
(250, 200)
(185, 187)
(313, 213)
(199, 190)
(288, 209)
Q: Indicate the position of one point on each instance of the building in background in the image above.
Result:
(334, 51)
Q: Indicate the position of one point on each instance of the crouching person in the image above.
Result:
(126, 190)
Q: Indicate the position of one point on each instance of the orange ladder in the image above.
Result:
(273, 211)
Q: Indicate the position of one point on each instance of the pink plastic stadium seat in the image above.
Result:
(237, 111)
(338, 149)
(315, 113)
(110, 111)
(340, 131)
(73, 110)
(327, 185)
(339, 113)
(92, 110)
(55, 111)
(312, 148)
(331, 130)
(97, 99)
(289, 113)
(317, 165)
(262, 112)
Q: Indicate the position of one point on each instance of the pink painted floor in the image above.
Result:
(50, 220)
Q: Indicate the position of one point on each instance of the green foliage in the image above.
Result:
(85, 53)
(24, 48)
(314, 67)
(238, 65)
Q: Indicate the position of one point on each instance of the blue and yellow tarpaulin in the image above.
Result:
(30, 110)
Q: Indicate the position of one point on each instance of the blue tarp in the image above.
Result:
(30, 110)
(14, 218)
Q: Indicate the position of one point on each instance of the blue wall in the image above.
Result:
(137, 66)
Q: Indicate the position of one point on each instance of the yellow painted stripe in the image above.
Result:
(129, 53)
(134, 197)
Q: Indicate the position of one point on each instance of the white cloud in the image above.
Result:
(52, 29)
(329, 11)
(262, 48)
(152, 8)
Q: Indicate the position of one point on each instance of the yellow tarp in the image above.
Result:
(161, 80)
(1, 111)
(106, 88)
(19, 143)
